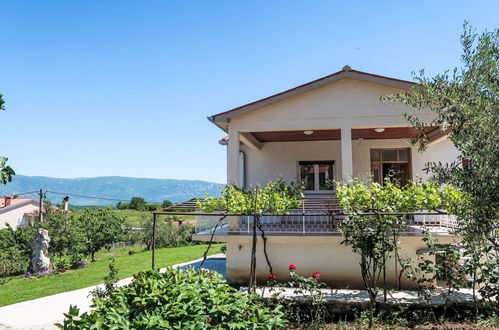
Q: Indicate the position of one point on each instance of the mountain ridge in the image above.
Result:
(113, 187)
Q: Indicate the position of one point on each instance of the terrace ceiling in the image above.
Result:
(335, 134)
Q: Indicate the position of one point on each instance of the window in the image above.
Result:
(391, 162)
(317, 175)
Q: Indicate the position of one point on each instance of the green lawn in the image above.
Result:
(135, 218)
(19, 289)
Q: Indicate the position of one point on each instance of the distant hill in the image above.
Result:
(116, 187)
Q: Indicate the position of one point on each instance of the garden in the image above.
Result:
(81, 246)
(465, 107)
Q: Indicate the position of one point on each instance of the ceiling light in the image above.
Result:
(308, 132)
(379, 130)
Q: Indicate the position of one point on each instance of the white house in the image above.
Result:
(329, 129)
(14, 210)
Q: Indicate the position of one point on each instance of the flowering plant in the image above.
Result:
(305, 286)
(45, 272)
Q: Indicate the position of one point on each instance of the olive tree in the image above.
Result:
(465, 104)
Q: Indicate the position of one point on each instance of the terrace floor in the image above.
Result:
(345, 299)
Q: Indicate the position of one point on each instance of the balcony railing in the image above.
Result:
(318, 224)
(314, 217)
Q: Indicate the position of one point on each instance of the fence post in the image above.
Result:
(153, 245)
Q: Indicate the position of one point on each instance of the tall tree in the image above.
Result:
(6, 172)
(465, 104)
(138, 203)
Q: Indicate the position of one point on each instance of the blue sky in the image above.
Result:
(96, 88)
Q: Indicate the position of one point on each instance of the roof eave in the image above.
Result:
(222, 124)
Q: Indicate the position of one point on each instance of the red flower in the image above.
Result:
(316, 275)
(272, 277)
(292, 267)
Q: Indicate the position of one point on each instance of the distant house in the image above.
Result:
(15, 211)
(329, 129)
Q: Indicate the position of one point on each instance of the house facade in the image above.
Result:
(14, 211)
(333, 128)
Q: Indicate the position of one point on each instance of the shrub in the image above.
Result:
(176, 299)
(110, 282)
(168, 234)
(15, 251)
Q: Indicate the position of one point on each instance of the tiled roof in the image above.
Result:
(14, 200)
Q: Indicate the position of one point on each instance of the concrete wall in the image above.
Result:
(336, 263)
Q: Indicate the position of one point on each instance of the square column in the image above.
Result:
(233, 158)
(346, 153)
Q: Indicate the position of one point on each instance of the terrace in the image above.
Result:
(315, 217)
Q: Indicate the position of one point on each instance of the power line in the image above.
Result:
(77, 195)
(94, 197)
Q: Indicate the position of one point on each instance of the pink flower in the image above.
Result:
(272, 277)
(316, 275)
(292, 267)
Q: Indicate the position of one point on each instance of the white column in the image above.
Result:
(233, 158)
(346, 153)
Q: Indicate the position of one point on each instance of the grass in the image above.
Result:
(19, 289)
(135, 218)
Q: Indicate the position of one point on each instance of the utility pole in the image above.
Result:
(40, 207)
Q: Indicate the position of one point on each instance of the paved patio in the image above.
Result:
(43, 313)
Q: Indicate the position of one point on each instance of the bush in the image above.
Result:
(15, 250)
(176, 299)
(168, 234)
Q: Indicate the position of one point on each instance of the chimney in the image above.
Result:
(7, 200)
(65, 202)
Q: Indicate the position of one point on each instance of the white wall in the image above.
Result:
(13, 216)
(443, 151)
(336, 263)
(347, 103)
(350, 102)
(280, 159)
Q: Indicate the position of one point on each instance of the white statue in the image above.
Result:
(40, 246)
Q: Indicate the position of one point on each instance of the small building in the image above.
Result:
(15, 210)
(333, 128)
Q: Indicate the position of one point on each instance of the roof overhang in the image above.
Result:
(222, 119)
(256, 140)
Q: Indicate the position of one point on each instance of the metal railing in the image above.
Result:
(296, 223)
(316, 216)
